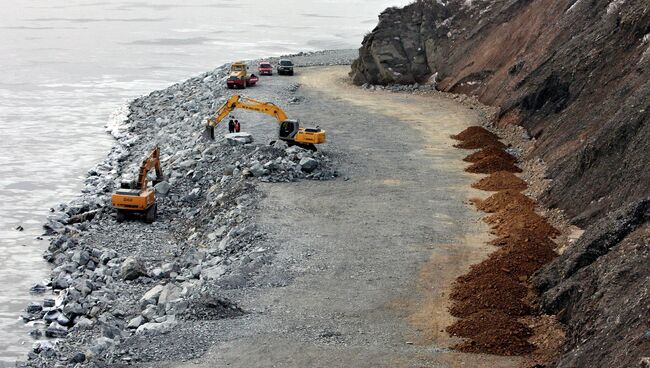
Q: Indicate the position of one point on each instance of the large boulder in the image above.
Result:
(308, 164)
(151, 296)
(132, 268)
(238, 138)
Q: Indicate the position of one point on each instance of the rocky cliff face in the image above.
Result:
(574, 73)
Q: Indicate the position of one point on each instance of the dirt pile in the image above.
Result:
(492, 164)
(489, 152)
(474, 132)
(504, 200)
(495, 294)
(501, 180)
(520, 219)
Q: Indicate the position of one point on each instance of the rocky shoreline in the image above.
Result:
(116, 287)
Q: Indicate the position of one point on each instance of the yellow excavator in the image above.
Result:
(136, 198)
(290, 130)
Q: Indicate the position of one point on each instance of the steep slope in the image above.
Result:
(574, 73)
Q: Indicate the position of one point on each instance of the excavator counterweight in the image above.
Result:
(289, 130)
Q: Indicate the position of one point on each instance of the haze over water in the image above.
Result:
(66, 65)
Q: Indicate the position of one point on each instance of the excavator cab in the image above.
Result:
(288, 129)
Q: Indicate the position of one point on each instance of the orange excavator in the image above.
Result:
(136, 198)
(289, 130)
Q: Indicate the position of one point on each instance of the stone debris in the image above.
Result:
(114, 286)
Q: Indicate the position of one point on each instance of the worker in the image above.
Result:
(237, 126)
(231, 126)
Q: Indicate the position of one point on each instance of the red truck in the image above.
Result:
(265, 68)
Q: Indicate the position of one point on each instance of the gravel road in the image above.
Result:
(363, 262)
(256, 261)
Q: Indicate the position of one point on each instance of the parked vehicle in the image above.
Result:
(239, 76)
(265, 68)
(285, 66)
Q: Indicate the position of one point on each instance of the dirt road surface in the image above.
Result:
(363, 263)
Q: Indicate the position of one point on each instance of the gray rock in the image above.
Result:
(63, 320)
(162, 188)
(37, 288)
(81, 257)
(100, 345)
(52, 315)
(258, 170)
(33, 307)
(59, 283)
(228, 170)
(213, 273)
(84, 323)
(151, 296)
(150, 312)
(73, 309)
(156, 328)
(78, 358)
(107, 256)
(308, 164)
(239, 138)
(132, 268)
(56, 330)
(135, 322)
(169, 292)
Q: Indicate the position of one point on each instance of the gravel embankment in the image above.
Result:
(114, 285)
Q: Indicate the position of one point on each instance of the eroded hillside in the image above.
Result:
(574, 73)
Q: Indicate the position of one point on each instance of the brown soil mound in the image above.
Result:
(492, 164)
(474, 132)
(519, 219)
(489, 151)
(482, 279)
(501, 180)
(488, 288)
(498, 342)
(504, 200)
(480, 142)
(518, 262)
(522, 237)
(497, 298)
(488, 320)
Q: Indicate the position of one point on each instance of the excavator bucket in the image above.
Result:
(209, 132)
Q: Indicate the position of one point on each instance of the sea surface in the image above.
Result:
(66, 65)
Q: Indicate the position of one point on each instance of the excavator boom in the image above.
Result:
(290, 130)
(239, 102)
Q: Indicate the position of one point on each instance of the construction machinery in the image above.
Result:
(137, 198)
(239, 76)
(289, 130)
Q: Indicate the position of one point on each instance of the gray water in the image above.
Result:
(66, 65)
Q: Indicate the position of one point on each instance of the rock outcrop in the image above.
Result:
(574, 73)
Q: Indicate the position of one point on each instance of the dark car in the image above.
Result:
(285, 67)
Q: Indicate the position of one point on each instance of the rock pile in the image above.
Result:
(115, 287)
